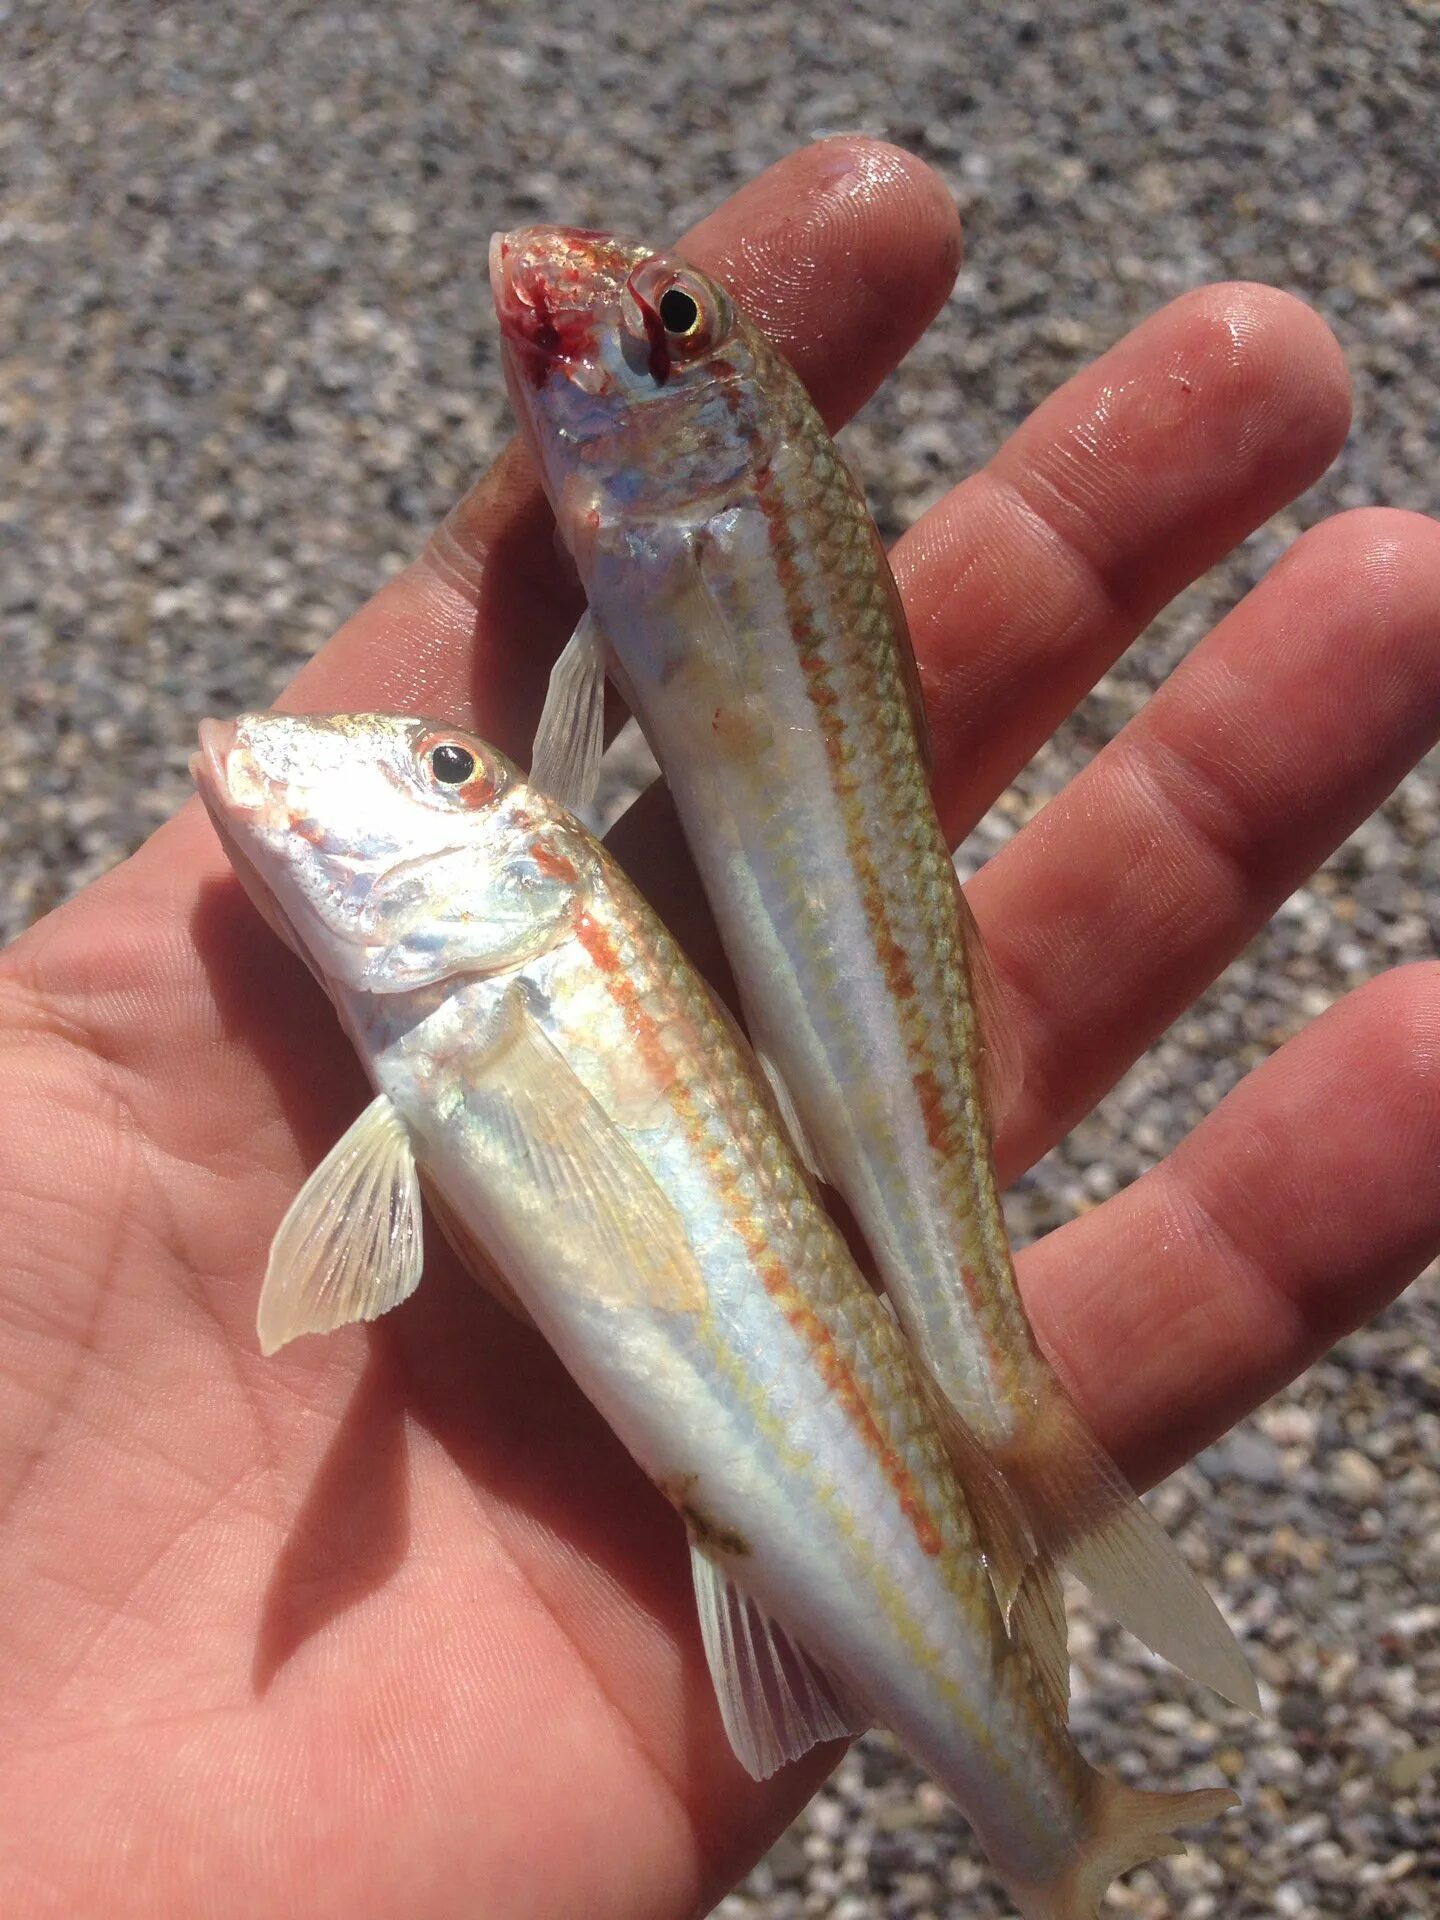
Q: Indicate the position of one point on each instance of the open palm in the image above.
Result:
(390, 1624)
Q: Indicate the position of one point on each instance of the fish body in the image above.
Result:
(545, 1058)
(740, 597)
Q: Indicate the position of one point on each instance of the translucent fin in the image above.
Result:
(789, 1114)
(1002, 1064)
(1127, 1827)
(1024, 1581)
(565, 760)
(1006, 1538)
(350, 1248)
(1037, 1622)
(1054, 1498)
(776, 1701)
(1087, 1517)
(580, 1172)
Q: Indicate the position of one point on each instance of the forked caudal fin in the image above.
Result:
(1128, 1827)
(1054, 1498)
(1087, 1518)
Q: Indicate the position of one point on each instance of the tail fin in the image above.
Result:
(1129, 1827)
(1052, 1497)
(1088, 1518)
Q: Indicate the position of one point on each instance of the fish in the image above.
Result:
(739, 597)
(589, 1122)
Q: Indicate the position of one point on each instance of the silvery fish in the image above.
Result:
(585, 1116)
(740, 597)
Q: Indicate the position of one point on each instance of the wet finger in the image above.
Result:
(1297, 1209)
(1032, 576)
(1133, 888)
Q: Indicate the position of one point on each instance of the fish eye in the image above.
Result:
(451, 763)
(679, 313)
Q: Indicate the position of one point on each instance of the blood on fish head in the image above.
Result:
(390, 852)
(553, 287)
(631, 371)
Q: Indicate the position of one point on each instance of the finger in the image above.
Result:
(1288, 725)
(1297, 1209)
(843, 252)
(1137, 475)
(1028, 579)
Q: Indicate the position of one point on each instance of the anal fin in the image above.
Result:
(1023, 1578)
(1037, 1623)
(777, 1700)
(1007, 1539)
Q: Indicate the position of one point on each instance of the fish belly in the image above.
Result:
(846, 984)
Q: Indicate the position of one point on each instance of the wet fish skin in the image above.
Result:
(740, 596)
(591, 1121)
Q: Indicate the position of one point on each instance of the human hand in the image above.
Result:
(390, 1623)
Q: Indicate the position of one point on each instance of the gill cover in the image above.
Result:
(633, 376)
(399, 852)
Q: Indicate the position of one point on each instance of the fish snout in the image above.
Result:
(209, 766)
(552, 285)
(227, 769)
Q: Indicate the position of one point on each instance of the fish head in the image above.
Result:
(633, 374)
(390, 853)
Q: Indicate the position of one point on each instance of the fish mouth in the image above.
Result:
(228, 789)
(553, 285)
(209, 767)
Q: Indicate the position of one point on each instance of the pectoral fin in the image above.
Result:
(579, 1174)
(776, 1700)
(565, 760)
(350, 1248)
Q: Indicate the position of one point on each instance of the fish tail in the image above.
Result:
(1127, 1827)
(1050, 1496)
(1086, 1517)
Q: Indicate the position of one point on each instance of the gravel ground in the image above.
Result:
(245, 360)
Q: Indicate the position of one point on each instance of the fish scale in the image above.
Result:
(763, 1182)
(846, 641)
(738, 592)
